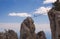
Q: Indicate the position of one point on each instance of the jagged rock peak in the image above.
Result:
(29, 23)
(28, 20)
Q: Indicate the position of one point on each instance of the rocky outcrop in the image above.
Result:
(41, 35)
(27, 30)
(10, 34)
(51, 15)
(54, 17)
(2, 36)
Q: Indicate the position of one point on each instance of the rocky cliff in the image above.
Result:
(54, 17)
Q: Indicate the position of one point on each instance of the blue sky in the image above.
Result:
(8, 7)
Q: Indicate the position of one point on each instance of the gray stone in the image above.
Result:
(54, 17)
(10, 34)
(41, 35)
(27, 30)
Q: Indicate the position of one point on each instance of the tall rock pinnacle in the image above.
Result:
(27, 29)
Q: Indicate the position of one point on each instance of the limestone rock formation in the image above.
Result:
(27, 30)
(41, 35)
(2, 36)
(52, 23)
(54, 17)
(10, 34)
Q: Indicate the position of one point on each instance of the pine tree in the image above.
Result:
(56, 5)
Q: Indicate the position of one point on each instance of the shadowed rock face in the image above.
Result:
(56, 5)
(10, 34)
(52, 23)
(27, 30)
(2, 36)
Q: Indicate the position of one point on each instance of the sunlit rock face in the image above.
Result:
(41, 35)
(27, 30)
(54, 17)
(10, 34)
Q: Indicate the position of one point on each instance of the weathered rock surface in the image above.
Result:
(54, 17)
(27, 30)
(10, 34)
(41, 35)
(2, 36)
(52, 23)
